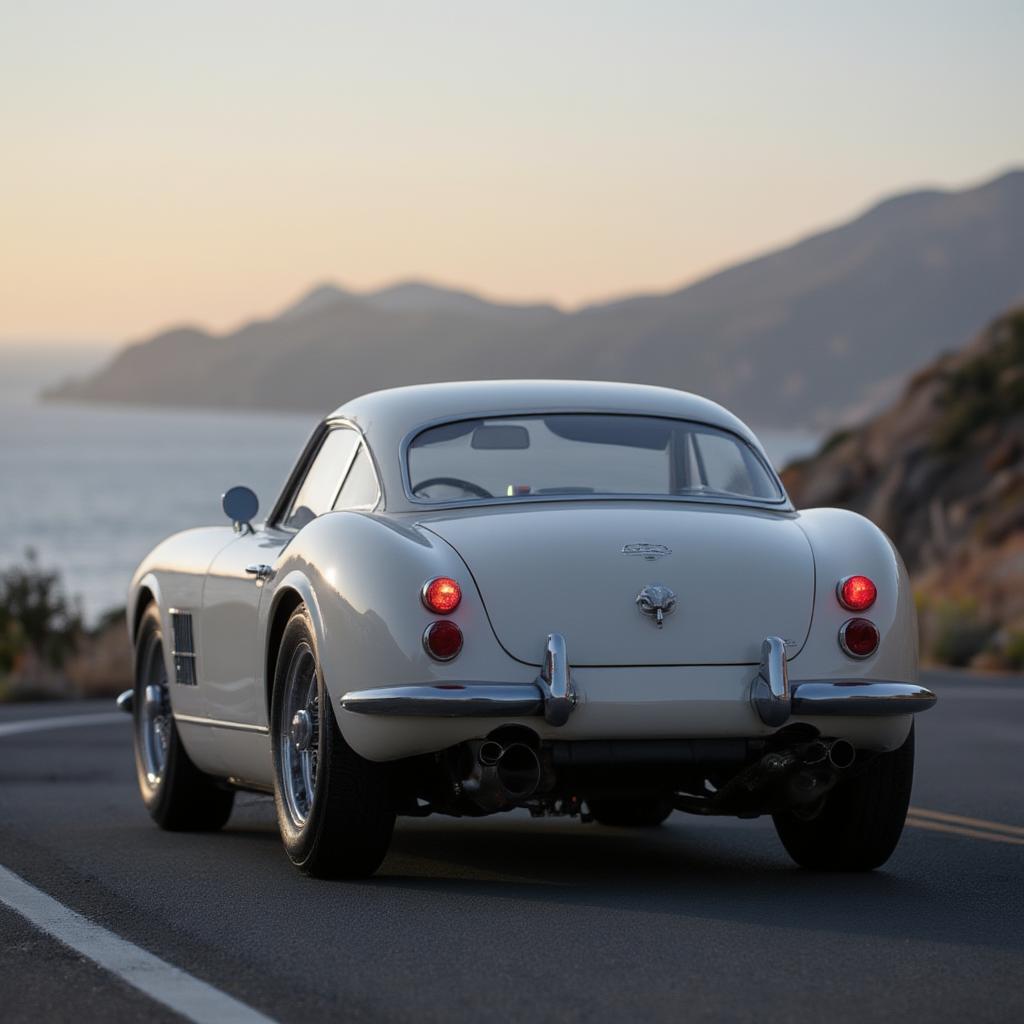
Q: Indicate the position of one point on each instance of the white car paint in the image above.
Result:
(527, 567)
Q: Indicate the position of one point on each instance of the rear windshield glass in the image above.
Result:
(583, 453)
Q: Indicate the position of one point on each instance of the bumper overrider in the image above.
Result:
(552, 696)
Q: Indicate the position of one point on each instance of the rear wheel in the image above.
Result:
(334, 808)
(645, 812)
(860, 822)
(178, 796)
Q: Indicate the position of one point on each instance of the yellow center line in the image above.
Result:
(959, 830)
(959, 819)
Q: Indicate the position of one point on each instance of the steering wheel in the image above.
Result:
(453, 481)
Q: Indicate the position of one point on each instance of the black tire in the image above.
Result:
(180, 798)
(861, 821)
(347, 828)
(646, 812)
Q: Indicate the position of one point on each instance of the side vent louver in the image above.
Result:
(184, 649)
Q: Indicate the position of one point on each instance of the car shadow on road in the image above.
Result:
(719, 872)
(718, 869)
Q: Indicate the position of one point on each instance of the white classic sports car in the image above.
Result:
(577, 598)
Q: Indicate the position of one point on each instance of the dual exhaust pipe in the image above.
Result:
(797, 776)
(502, 775)
(839, 754)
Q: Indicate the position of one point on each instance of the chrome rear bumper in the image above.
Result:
(775, 699)
(859, 697)
(552, 696)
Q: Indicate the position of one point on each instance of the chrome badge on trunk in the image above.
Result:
(648, 551)
(656, 600)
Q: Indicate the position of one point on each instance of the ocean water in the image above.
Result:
(92, 488)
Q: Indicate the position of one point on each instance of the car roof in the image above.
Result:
(395, 412)
(389, 418)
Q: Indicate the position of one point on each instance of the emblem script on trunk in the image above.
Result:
(657, 601)
(648, 551)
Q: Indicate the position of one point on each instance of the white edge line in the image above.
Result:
(61, 722)
(195, 1000)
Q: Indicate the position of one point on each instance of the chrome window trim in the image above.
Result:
(361, 445)
(305, 460)
(783, 503)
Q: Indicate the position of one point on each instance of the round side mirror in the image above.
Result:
(240, 505)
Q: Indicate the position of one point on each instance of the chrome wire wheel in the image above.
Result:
(299, 735)
(153, 721)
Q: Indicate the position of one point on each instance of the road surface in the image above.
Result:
(507, 918)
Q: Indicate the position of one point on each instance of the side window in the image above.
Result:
(722, 466)
(320, 487)
(359, 491)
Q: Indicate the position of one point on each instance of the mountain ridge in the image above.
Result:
(812, 334)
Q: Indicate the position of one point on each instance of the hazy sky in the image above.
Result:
(209, 161)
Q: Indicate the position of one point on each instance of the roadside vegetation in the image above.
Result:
(46, 649)
(942, 472)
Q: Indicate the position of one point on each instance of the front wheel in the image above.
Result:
(861, 820)
(178, 796)
(334, 808)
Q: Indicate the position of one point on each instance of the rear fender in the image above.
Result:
(844, 544)
(360, 577)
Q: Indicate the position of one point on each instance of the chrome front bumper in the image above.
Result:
(552, 696)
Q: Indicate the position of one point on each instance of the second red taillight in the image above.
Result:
(859, 638)
(442, 640)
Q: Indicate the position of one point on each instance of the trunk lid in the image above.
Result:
(739, 575)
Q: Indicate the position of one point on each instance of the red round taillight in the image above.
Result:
(442, 640)
(441, 595)
(859, 637)
(857, 593)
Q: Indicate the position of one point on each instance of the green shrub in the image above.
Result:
(958, 632)
(34, 613)
(1013, 650)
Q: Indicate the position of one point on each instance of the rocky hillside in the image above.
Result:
(812, 335)
(942, 472)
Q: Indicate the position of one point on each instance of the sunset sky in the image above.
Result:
(206, 162)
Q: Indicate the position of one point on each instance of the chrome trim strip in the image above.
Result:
(860, 697)
(448, 700)
(769, 691)
(218, 723)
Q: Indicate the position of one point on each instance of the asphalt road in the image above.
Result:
(513, 919)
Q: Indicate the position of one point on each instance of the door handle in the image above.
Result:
(260, 571)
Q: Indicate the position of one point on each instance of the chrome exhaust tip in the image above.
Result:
(489, 753)
(841, 754)
(815, 752)
(518, 771)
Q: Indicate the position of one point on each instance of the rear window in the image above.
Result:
(583, 453)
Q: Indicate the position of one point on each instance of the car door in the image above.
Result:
(235, 585)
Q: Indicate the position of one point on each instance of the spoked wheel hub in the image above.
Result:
(154, 717)
(300, 735)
